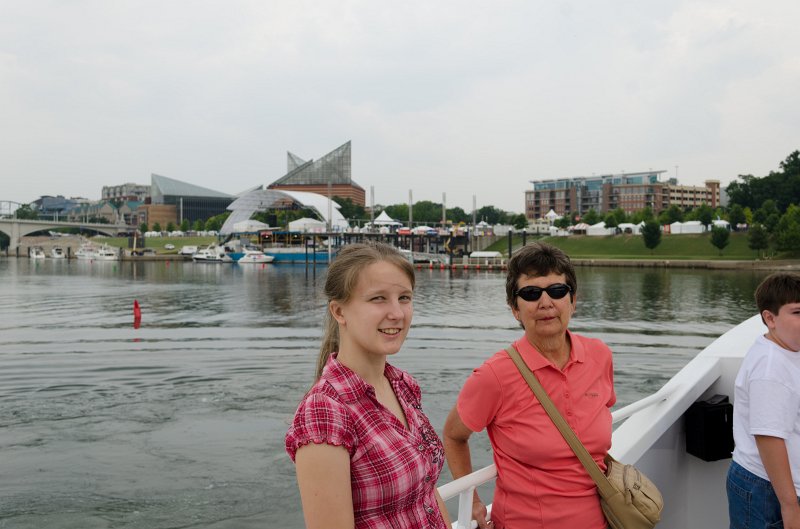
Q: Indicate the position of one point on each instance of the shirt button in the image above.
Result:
(427, 478)
(429, 510)
(421, 447)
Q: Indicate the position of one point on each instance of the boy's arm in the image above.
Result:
(776, 461)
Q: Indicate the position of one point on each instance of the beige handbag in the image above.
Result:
(628, 498)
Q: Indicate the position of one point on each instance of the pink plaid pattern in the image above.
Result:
(393, 470)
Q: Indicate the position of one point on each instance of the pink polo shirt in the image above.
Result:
(540, 482)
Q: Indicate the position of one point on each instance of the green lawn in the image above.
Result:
(632, 247)
(158, 243)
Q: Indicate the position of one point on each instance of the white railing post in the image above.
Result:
(465, 509)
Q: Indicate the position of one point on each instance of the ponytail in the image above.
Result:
(330, 343)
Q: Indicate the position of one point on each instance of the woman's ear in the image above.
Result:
(336, 311)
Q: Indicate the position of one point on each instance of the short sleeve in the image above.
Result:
(480, 398)
(773, 408)
(320, 419)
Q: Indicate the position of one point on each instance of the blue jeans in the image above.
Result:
(752, 503)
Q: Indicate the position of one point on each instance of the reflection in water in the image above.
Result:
(181, 421)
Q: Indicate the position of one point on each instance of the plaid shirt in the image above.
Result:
(393, 470)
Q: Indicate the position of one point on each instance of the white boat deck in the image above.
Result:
(652, 436)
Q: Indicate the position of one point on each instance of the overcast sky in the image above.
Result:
(458, 97)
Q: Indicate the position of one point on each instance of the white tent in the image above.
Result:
(249, 226)
(581, 227)
(385, 220)
(551, 216)
(691, 226)
(719, 223)
(307, 225)
(628, 227)
(599, 230)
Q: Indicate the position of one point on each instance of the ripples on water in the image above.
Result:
(180, 423)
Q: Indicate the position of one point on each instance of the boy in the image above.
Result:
(763, 482)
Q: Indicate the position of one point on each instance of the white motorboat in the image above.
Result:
(86, 251)
(106, 253)
(211, 254)
(37, 252)
(653, 436)
(187, 250)
(57, 252)
(252, 256)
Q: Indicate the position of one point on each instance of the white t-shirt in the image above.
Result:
(767, 402)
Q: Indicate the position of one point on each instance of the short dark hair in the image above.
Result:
(538, 259)
(777, 290)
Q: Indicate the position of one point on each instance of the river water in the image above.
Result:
(180, 422)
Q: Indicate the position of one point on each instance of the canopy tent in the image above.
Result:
(307, 225)
(628, 227)
(581, 227)
(385, 220)
(552, 216)
(599, 230)
(249, 226)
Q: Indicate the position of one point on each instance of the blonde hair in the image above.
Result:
(343, 275)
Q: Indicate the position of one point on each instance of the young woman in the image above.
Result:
(365, 454)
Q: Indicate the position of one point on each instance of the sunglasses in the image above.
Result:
(530, 293)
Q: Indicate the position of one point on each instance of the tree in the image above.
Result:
(758, 239)
(651, 233)
(457, 215)
(491, 214)
(349, 209)
(26, 212)
(610, 220)
(185, 226)
(720, 237)
(736, 216)
(563, 223)
(170, 226)
(199, 225)
(591, 217)
(643, 215)
(788, 240)
(670, 215)
(157, 227)
(783, 186)
(143, 227)
(519, 221)
(704, 214)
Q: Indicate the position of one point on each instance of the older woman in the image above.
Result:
(540, 482)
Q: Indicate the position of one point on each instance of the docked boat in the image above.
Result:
(37, 252)
(57, 252)
(85, 252)
(252, 256)
(653, 434)
(297, 255)
(106, 253)
(211, 254)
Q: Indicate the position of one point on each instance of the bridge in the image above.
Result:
(16, 229)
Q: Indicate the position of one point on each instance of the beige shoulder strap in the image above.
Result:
(605, 488)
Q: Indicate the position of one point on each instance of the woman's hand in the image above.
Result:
(479, 514)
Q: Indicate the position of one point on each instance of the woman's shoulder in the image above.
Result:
(593, 346)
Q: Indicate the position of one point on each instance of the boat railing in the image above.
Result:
(465, 486)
